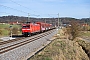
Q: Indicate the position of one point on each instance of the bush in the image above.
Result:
(73, 30)
(15, 30)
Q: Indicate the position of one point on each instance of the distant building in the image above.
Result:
(13, 23)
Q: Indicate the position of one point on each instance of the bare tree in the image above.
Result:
(73, 30)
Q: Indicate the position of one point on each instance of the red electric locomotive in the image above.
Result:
(28, 29)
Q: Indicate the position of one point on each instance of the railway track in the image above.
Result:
(12, 44)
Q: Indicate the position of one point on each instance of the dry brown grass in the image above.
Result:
(85, 46)
(61, 49)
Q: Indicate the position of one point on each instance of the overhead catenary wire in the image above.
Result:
(25, 7)
(14, 9)
(24, 11)
(17, 10)
(29, 9)
(22, 5)
(5, 12)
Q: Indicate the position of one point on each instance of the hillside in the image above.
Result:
(64, 20)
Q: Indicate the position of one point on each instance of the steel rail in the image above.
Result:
(8, 48)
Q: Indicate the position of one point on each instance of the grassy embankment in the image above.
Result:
(85, 45)
(61, 49)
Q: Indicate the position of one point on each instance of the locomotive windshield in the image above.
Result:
(26, 26)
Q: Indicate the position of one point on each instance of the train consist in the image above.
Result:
(32, 28)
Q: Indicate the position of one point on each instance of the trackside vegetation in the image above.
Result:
(61, 49)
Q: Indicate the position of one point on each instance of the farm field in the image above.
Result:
(5, 29)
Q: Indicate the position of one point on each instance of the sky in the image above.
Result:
(46, 8)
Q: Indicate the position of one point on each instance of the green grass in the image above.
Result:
(5, 32)
(2, 26)
(86, 33)
(5, 29)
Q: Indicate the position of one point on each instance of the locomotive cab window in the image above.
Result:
(26, 27)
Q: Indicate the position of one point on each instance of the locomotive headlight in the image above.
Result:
(23, 29)
(27, 29)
